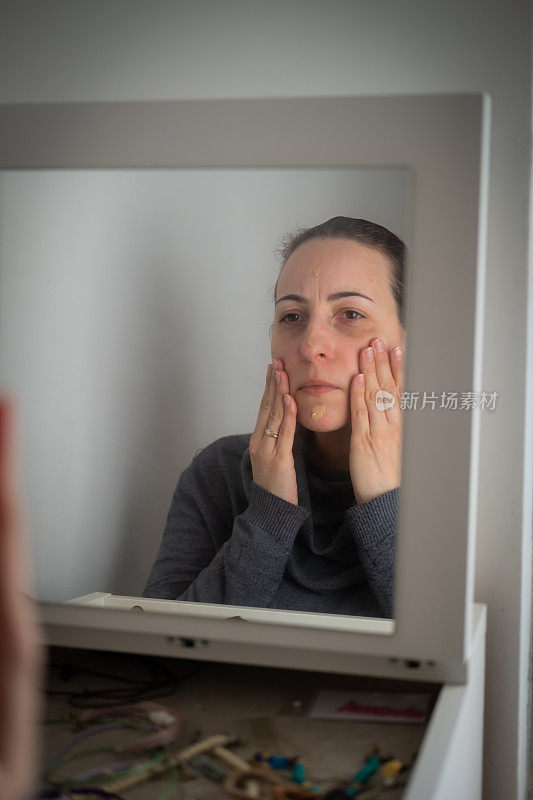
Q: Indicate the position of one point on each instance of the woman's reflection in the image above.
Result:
(302, 513)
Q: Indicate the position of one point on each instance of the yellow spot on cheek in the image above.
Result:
(316, 272)
(317, 412)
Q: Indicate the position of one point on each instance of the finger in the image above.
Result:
(358, 406)
(282, 387)
(368, 367)
(279, 365)
(285, 439)
(266, 404)
(277, 411)
(383, 367)
(398, 367)
(397, 361)
(386, 379)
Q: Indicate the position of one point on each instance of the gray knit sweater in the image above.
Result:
(228, 540)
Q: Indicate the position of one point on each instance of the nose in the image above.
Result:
(316, 343)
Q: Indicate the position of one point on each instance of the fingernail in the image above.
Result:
(397, 353)
(369, 353)
(360, 379)
(278, 377)
(379, 345)
(286, 399)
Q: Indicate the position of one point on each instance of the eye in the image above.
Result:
(356, 315)
(290, 318)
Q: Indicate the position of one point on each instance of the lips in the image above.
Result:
(318, 387)
(318, 383)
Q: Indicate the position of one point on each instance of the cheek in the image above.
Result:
(276, 340)
(354, 360)
(283, 347)
(352, 344)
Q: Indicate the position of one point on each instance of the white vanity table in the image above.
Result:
(449, 761)
(438, 632)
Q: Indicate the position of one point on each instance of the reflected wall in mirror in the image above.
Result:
(136, 309)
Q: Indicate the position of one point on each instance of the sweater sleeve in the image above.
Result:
(209, 557)
(373, 525)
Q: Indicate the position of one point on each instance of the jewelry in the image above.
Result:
(270, 432)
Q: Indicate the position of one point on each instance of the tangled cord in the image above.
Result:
(160, 682)
(160, 723)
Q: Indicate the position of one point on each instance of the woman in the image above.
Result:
(302, 513)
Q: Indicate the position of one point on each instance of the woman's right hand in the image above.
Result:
(272, 460)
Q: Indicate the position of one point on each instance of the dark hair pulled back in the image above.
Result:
(358, 230)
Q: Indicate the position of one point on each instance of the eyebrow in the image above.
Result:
(332, 297)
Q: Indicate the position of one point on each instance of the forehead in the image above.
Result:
(335, 265)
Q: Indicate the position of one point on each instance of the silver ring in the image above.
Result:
(270, 432)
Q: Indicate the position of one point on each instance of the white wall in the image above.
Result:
(108, 50)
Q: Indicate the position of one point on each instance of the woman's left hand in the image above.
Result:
(376, 437)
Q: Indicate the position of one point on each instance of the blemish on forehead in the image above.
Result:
(316, 272)
(317, 412)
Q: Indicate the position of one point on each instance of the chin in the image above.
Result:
(319, 419)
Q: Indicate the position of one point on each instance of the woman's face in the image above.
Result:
(323, 323)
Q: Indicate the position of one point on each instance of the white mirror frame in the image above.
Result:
(444, 140)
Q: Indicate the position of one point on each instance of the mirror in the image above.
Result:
(444, 142)
(136, 308)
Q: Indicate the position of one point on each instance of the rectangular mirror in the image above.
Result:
(136, 309)
(125, 294)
